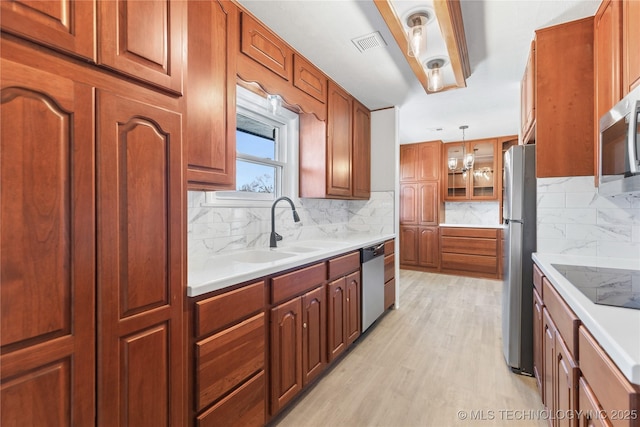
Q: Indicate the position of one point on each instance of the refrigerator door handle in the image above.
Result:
(519, 221)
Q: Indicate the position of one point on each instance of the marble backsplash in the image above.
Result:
(477, 213)
(213, 229)
(573, 219)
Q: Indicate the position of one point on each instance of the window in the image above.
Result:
(266, 149)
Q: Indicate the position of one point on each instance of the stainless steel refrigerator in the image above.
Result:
(519, 213)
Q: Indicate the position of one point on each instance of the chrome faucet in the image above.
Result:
(275, 237)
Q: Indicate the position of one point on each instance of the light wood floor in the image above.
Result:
(439, 354)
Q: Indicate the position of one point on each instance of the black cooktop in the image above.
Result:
(606, 286)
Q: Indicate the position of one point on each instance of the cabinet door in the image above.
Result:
(529, 93)
(211, 131)
(537, 342)
(607, 48)
(286, 352)
(336, 313)
(457, 177)
(409, 245)
(566, 375)
(484, 175)
(631, 44)
(409, 203)
(47, 249)
(361, 168)
(428, 247)
(409, 162)
(266, 48)
(548, 361)
(140, 272)
(339, 148)
(309, 79)
(143, 39)
(429, 161)
(61, 24)
(314, 334)
(353, 307)
(428, 203)
(590, 413)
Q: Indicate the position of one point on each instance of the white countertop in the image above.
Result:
(229, 268)
(616, 329)
(473, 225)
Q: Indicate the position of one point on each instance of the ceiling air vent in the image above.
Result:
(369, 41)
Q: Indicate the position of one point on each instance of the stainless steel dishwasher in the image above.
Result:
(372, 259)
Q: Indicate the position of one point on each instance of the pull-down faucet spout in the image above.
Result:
(275, 237)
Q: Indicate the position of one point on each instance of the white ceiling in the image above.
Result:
(498, 34)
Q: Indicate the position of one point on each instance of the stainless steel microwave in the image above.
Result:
(620, 147)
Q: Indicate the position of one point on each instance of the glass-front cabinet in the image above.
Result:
(471, 169)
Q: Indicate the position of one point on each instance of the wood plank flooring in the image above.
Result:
(439, 354)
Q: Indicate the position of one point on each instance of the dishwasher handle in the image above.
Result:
(371, 252)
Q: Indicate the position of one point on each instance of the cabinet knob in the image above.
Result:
(347, 299)
(304, 325)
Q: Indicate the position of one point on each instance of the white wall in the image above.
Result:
(384, 143)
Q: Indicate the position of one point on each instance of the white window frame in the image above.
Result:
(286, 124)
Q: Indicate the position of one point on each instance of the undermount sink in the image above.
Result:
(258, 256)
(297, 249)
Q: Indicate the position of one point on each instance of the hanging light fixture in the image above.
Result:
(434, 76)
(467, 158)
(417, 34)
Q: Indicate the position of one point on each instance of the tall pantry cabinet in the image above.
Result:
(91, 249)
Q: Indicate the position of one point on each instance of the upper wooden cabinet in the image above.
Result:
(420, 162)
(481, 180)
(143, 39)
(631, 44)
(211, 131)
(328, 164)
(309, 79)
(64, 25)
(564, 106)
(259, 43)
(528, 97)
(361, 164)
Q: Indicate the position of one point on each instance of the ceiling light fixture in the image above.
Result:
(417, 23)
(467, 159)
(434, 76)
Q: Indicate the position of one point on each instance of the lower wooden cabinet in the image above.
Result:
(419, 247)
(389, 274)
(343, 304)
(579, 383)
(314, 334)
(537, 341)
(469, 251)
(286, 352)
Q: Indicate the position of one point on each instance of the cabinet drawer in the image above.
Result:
(473, 263)
(291, 284)
(244, 407)
(463, 245)
(389, 267)
(266, 48)
(225, 309)
(389, 247)
(589, 407)
(344, 265)
(537, 279)
(309, 79)
(609, 386)
(564, 318)
(227, 359)
(487, 233)
(389, 293)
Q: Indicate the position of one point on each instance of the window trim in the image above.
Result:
(286, 123)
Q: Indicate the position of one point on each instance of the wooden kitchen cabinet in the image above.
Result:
(480, 181)
(309, 79)
(266, 48)
(47, 255)
(630, 45)
(469, 251)
(361, 167)
(211, 132)
(419, 247)
(143, 40)
(314, 334)
(139, 303)
(286, 352)
(420, 162)
(59, 24)
(343, 303)
(528, 98)
(564, 104)
(329, 167)
(537, 341)
(389, 274)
